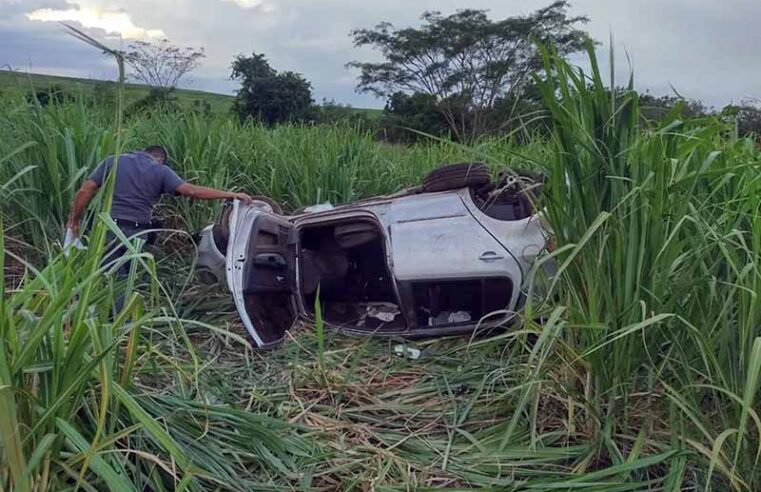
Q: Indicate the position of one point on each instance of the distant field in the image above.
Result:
(26, 81)
(369, 112)
(220, 103)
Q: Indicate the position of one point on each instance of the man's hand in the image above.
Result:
(83, 196)
(203, 193)
(244, 197)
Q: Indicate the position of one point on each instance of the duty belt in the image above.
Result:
(132, 223)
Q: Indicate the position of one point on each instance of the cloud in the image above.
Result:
(252, 4)
(702, 48)
(118, 23)
(45, 48)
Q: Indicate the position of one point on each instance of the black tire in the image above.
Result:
(453, 176)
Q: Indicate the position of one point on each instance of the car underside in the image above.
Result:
(414, 264)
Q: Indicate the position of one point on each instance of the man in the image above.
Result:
(141, 178)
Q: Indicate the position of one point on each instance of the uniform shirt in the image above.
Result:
(140, 182)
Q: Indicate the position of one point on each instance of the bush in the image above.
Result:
(157, 99)
(655, 109)
(406, 118)
(51, 95)
(201, 107)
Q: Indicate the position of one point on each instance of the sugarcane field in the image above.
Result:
(251, 245)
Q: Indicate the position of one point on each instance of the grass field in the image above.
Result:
(640, 370)
(24, 83)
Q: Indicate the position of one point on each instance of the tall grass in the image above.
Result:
(658, 236)
(48, 152)
(70, 411)
(296, 165)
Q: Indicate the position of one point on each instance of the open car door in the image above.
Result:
(260, 264)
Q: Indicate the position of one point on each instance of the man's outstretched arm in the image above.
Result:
(203, 193)
(83, 196)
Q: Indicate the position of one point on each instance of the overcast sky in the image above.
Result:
(705, 49)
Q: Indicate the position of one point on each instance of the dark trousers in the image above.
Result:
(115, 249)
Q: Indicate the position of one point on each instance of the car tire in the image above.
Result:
(453, 176)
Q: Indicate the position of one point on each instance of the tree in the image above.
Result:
(162, 65)
(655, 108)
(331, 112)
(267, 95)
(417, 112)
(466, 61)
(747, 118)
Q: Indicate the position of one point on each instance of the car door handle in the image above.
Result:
(490, 256)
(270, 260)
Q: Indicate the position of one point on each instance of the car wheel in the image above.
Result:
(453, 176)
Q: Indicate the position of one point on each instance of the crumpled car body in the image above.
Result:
(414, 264)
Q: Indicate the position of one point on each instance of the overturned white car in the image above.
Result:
(444, 258)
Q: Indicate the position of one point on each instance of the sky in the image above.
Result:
(703, 49)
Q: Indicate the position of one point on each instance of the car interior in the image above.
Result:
(344, 263)
(447, 304)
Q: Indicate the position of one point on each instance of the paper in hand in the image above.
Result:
(71, 241)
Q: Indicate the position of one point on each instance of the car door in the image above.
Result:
(435, 236)
(260, 269)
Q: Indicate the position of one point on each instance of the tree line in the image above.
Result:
(462, 75)
(459, 76)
